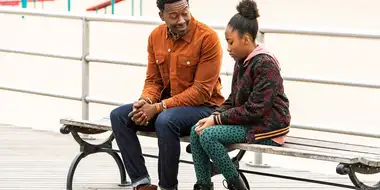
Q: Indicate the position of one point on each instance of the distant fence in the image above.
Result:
(104, 5)
(86, 58)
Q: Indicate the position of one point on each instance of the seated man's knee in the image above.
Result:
(165, 124)
(120, 114)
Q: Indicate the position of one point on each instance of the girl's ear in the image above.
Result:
(246, 39)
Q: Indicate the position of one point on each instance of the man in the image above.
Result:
(182, 86)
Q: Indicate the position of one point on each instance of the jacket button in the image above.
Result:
(188, 62)
(169, 50)
(157, 61)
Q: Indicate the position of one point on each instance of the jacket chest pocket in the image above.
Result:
(164, 69)
(186, 68)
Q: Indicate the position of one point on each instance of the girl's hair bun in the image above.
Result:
(248, 9)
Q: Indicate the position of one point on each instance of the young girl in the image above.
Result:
(256, 111)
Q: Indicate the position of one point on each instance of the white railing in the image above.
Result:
(85, 97)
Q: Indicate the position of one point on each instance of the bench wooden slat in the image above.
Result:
(104, 124)
(333, 145)
(326, 156)
(331, 151)
(153, 134)
(347, 154)
(295, 146)
(101, 124)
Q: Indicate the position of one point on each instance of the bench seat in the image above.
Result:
(351, 158)
(295, 146)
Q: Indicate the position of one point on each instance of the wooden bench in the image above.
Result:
(351, 159)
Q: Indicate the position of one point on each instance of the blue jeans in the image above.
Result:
(169, 125)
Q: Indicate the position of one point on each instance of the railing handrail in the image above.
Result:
(108, 102)
(336, 32)
(349, 33)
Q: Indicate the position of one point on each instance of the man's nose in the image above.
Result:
(181, 20)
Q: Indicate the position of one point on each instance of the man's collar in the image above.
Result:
(189, 35)
(169, 33)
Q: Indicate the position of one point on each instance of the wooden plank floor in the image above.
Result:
(37, 160)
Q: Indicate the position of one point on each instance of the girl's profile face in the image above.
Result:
(236, 45)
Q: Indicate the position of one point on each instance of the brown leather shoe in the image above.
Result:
(146, 187)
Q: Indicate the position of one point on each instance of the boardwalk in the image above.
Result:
(37, 160)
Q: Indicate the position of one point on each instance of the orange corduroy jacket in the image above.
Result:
(189, 67)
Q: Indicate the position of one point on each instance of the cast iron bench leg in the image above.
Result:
(351, 170)
(87, 149)
(73, 166)
(120, 165)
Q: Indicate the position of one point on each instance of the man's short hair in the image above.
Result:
(161, 3)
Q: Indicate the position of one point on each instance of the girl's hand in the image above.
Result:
(204, 123)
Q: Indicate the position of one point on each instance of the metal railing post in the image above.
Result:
(24, 4)
(113, 6)
(133, 7)
(258, 155)
(85, 71)
(258, 158)
(85, 67)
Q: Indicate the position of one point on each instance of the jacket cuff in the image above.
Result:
(215, 113)
(170, 102)
(217, 120)
(147, 99)
(223, 117)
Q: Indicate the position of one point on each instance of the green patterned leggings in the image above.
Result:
(210, 144)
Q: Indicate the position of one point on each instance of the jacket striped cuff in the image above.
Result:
(272, 134)
(217, 119)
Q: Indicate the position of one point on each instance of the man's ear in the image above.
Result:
(161, 15)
